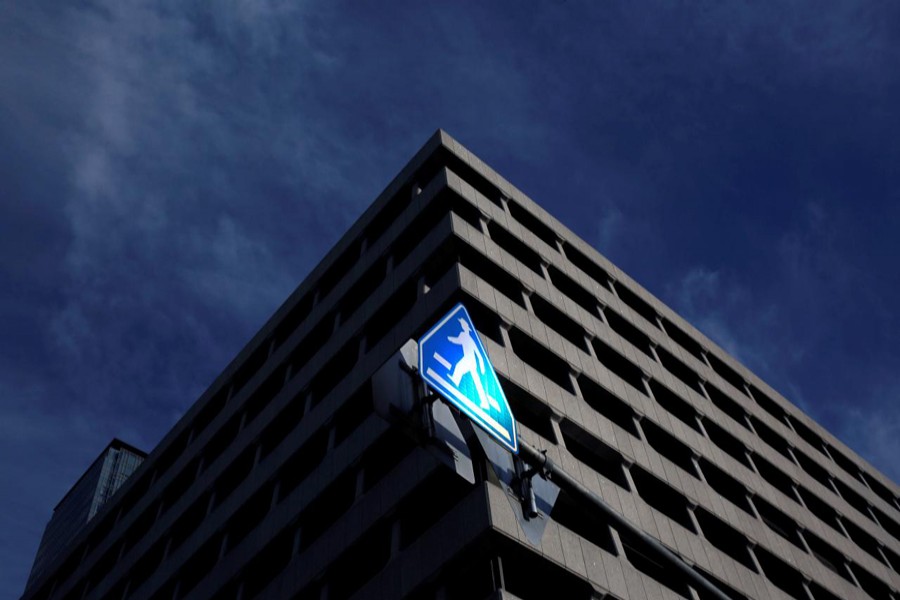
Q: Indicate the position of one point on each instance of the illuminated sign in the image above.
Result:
(453, 361)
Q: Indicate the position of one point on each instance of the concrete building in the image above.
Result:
(280, 482)
(92, 490)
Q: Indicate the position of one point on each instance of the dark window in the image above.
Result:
(726, 372)
(827, 555)
(889, 525)
(865, 541)
(249, 515)
(209, 412)
(265, 393)
(532, 223)
(821, 593)
(774, 476)
(820, 508)
(727, 442)
(680, 370)
(486, 321)
(529, 411)
(635, 336)
(384, 455)
(573, 290)
(645, 560)
(588, 524)
(298, 467)
(179, 485)
(435, 213)
(172, 453)
(662, 497)
(873, 586)
(320, 514)
(390, 313)
(669, 446)
(879, 488)
(590, 268)
(386, 217)
(312, 343)
(430, 501)
(559, 322)
(725, 589)
(683, 339)
(352, 413)
(136, 532)
(811, 437)
(268, 563)
(541, 359)
(843, 462)
(598, 456)
(812, 468)
(852, 498)
(363, 289)
(360, 562)
(530, 576)
(339, 268)
(772, 438)
(778, 522)
(249, 368)
(478, 181)
(146, 565)
(515, 247)
(232, 476)
(636, 303)
(785, 577)
(607, 404)
(188, 521)
(724, 537)
(619, 365)
(283, 423)
(726, 486)
(727, 405)
(199, 565)
(221, 440)
(334, 371)
(767, 404)
(293, 319)
(488, 271)
(675, 405)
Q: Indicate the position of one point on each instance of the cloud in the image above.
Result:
(873, 431)
(715, 304)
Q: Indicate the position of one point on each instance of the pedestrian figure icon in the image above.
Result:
(467, 364)
(453, 361)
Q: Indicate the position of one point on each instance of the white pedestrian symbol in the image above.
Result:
(471, 363)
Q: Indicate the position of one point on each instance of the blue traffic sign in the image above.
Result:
(453, 361)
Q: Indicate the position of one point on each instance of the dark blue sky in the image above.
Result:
(170, 171)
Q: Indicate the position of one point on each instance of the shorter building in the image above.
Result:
(98, 484)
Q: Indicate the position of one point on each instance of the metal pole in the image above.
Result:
(547, 469)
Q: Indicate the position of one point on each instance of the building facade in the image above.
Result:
(280, 482)
(92, 490)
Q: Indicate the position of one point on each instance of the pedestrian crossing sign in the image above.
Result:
(453, 361)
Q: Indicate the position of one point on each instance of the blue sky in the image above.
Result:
(170, 171)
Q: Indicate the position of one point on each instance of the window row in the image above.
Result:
(536, 416)
(261, 396)
(601, 276)
(698, 520)
(556, 369)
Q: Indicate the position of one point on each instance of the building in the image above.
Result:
(280, 482)
(97, 485)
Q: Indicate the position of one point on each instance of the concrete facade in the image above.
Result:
(280, 482)
(94, 488)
